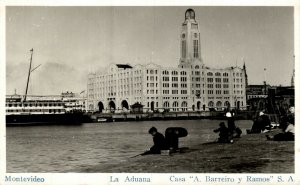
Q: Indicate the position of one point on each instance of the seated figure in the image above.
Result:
(224, 134)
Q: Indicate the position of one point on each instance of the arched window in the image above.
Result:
(175, 105)
(218, 74)
(219, 105)
(196, 67)
(209, 74)
(227, 104)
(211, 104)
(166, 104)
(184, 106)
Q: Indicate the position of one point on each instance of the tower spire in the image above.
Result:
(190, 46)
(246, 76)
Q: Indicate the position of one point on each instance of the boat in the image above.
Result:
(41, 110)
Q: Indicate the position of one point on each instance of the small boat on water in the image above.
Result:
(104, 120)
(40, 110)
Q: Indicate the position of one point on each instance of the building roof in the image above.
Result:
(124, 66)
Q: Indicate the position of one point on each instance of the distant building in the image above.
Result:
(73, 102)
(191, 86)
(257, 91)
(284, 97)
(270, 98)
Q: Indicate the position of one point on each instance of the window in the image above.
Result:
(210, 85)
(196, 48)
(225, 86)
(218, 74)
(210, 92)
(226, 92)
(183, 91)
(165, 78)
(209, 74)
(165, 85)
(165, 91)
(183, 48)
(218, 80)
(174, 85)
(183, 85)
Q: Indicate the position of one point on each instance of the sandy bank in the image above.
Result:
(249, 154)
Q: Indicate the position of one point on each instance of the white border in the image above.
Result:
(93, 178)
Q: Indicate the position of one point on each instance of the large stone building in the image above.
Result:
(192, 86)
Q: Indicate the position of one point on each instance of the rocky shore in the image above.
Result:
(249, 154)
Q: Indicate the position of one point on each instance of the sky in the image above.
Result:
(70, 42)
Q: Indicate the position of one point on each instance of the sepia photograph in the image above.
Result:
(150, 89)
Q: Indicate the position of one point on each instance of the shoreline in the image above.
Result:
(251, 153)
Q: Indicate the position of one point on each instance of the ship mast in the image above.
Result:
(28, 75)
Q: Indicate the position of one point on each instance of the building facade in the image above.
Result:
(192, 86)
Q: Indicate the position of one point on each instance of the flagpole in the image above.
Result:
(28, 75)
(265, 80)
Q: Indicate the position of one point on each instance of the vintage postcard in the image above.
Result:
(149, 93)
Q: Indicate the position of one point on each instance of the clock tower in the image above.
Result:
(190, 47)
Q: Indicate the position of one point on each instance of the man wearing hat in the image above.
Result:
(158, 140)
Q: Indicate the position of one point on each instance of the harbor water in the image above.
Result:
(71, 148)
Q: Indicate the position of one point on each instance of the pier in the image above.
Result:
(129, 116)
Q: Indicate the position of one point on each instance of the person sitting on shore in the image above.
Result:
(261, 124)
(224, 135)
(158, 140)
(287, 125)
(287, 135)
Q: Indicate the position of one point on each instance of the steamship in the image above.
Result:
(40, 110)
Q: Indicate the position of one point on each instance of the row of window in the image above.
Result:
(152, 78)
(224, 74)
(217, 86)
(38, 110)
(165, 72)
(151, 71)
(218, 92)
(35, 105)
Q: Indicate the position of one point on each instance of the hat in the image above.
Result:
(228, 115)
(292, 110)
(152, 129)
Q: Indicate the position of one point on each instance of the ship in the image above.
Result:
(41, 110)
